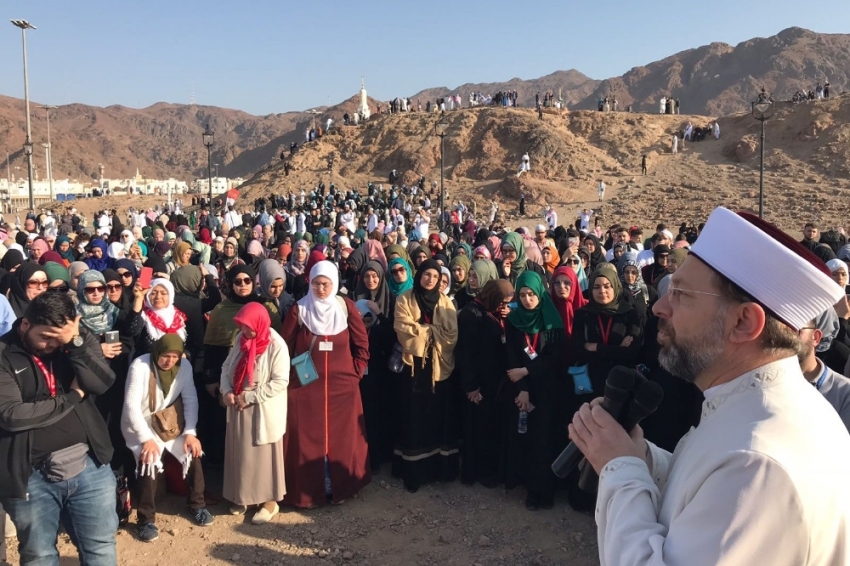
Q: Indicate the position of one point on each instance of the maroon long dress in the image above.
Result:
(325, 418)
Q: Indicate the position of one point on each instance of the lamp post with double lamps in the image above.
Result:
(25, 25)
(209, 139)
(762, 111)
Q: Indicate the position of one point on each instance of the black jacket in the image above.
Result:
(26, 404)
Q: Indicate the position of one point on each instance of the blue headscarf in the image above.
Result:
(398, 288)
(95, 263)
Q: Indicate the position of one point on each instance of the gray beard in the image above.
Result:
(688, 360)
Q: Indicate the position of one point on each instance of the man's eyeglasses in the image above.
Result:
(676, 293)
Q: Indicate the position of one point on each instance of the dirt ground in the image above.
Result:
(443, 524)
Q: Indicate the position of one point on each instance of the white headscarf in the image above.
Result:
(116, 250)
(323, 317)
(167, 314)
(129, 242)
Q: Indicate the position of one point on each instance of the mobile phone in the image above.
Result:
(111, 337)
(145, 277)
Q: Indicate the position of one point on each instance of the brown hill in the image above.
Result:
(574, 87)
(161, 140)
(807, 176)
(719, 79)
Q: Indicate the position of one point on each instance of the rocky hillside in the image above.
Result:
(807, 175)
(160, 141)
(720, 79)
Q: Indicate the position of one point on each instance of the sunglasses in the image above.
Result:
(398, 270)
(59, 289)
(573, 262)
(37, 283)
(93, 290)
(126, 275)
(242, 281)
(115, 287)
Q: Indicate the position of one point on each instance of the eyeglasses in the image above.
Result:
(126, 275)
(398, 270)
(508, 251)
(115, 287)
(573, 262)
(93, 290)
(676, 293)
(37, 283)
(561, 284)
(807, 328)
(242, 281)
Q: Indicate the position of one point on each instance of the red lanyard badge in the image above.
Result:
(605, 332)
(49, 378)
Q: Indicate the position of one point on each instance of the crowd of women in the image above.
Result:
(301, 364)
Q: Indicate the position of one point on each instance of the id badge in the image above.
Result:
(531, 353)
(326, 346)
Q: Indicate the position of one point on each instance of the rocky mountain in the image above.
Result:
(719, 79)
(165, 139)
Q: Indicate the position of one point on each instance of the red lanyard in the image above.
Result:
(532, 347)
(427, 318)
(48, 376)
(605, 332)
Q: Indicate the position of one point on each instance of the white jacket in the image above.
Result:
(136, 416)
(271, 376)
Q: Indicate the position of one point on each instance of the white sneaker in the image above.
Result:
(263, 516)
(238, 509)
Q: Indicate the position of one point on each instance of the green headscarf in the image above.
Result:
(458, 284)
(486, 272)
(467, 248)
(187, 281)
(516, 242)
(398, 288)
(56, 272)
(609, 272)
(322, 238)
(168, 343)
(544, 317)
(401, 252)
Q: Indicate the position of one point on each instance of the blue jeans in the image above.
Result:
(86, 506)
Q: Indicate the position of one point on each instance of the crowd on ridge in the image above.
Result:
(305, 343)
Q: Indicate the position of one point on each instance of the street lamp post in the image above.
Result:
(28, 153)
(25, 25)
(49, 148)
(762, 111)
(440, 128)
(209, 139)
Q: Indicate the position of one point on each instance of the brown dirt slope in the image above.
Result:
(807, 175)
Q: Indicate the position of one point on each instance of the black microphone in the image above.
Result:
(646, 400)
(618, 391)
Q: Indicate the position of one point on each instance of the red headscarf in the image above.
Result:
(204, 235)
(283, 251)
(256, 317)
(575, 301)
(315, 257)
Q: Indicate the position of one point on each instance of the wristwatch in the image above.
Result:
(77, 341)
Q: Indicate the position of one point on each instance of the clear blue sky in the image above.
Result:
(265, 56)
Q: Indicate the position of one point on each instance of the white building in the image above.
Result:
(220, 185)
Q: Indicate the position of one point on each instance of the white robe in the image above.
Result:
(761, 480)
(675, 144)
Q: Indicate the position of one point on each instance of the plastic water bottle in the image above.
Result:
(522, 426)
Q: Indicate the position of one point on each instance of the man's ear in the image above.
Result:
(25, 325)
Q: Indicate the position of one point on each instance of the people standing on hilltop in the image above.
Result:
(662, 106)
(826, 90)
(522, 204)
(600, 189)
(716, 131)
(643, 164)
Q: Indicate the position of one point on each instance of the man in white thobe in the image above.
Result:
(552, 218)
(762, 479)
(600, 189)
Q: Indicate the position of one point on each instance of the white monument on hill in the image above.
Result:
(364, 102)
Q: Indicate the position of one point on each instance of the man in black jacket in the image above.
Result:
(54, 445)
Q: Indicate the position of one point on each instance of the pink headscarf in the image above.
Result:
(376, 252)
(497, 247)
(481, 249)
